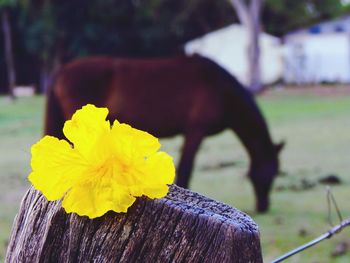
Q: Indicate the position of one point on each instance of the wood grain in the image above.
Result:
(182, 227)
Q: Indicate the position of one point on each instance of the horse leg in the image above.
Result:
(191, 145)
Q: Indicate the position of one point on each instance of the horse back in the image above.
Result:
(162, 96)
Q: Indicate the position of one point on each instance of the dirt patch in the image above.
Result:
(302, 185)
(341, 248)
(218, 166)
(330, 179)
(305, 184)
(317, 90)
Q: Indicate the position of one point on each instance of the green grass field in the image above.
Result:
(317, 131)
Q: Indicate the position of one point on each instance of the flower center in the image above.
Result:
(117, 169)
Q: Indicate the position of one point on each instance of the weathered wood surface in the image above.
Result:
(182, 227)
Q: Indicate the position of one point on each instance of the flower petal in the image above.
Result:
(105, 170)
(160, 169)
(157, 173)
(134, 142)
(86, 127)
(95, 198)
(55, 167)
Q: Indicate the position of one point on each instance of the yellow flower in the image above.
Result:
(105, 169)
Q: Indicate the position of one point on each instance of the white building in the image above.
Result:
(320, 53)
(228, 47)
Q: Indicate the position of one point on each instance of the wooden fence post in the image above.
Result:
(182, 227)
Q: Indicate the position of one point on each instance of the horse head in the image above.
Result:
(262, 173)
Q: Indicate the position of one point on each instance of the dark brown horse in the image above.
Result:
(183, 95)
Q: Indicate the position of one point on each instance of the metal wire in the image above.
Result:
(326, 235)
(335, 229)
(331, 201)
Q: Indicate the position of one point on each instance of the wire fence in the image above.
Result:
(334, 230)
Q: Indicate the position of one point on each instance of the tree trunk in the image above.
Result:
(182, 227)
(10, 63)
(254, 46)
(45, 78)
(249, 17)
(48, 70)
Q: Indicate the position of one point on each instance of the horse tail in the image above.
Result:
(54, 117)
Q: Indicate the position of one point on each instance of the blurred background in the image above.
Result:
(294, 55)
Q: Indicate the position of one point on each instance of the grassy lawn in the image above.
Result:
(20, 126)
(317, 131)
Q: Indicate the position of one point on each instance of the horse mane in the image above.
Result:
(241, 91)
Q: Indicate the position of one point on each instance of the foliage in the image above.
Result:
(133, 28)
(8, 3)
(148, 27)
(144, 28)
(279, 17)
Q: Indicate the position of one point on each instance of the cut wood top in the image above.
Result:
(182, 227)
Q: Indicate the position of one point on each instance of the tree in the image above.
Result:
(50, 33)
(5, 7)
(56, 35)
(249, 17)
(38, 24)
(279, 17)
